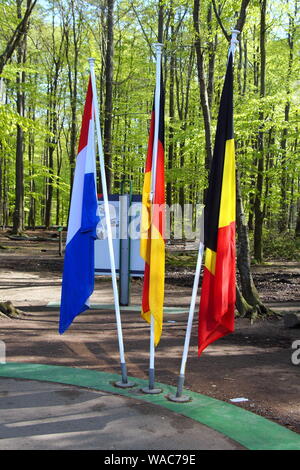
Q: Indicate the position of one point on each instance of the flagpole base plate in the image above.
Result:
(181, 399)
(124, 384)
(152, 391)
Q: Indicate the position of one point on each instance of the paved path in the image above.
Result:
(43, 416)
(56, 407)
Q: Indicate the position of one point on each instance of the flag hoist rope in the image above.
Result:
(124, 382)
(158, 50)
(179, 397)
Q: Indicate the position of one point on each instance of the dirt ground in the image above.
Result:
(254, 362)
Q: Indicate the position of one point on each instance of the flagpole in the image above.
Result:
(124, 383)
(179, 397)
(158, 49)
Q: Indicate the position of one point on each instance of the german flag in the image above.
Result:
(217, 303)
(152, 247)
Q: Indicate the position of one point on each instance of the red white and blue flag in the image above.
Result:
(78, 273)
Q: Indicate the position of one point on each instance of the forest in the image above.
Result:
(44, 51)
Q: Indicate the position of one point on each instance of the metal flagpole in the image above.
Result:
(124, 383)
(179, 397)
(158, 48)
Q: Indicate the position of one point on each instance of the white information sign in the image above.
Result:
(125, 226)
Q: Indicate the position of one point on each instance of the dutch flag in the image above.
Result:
(78, 273)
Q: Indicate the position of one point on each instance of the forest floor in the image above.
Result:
(253, 363)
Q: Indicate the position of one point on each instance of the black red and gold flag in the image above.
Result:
(152, 248)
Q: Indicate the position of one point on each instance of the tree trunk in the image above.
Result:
(72, 27)
(248, 301)
(244, 309)
(212, 56)
(48, 205)
(2, 157)
(73, 133)
(297, 229)
(160, 24)
(18, 217)
(31, 146)
(1, 187)
(59, 165)
(245, 67)
(269, 164)
(5, 194)
(108, 106)
(254, 143)
(171, 114)
(258, 212)
(283, 217)
(202, 84)
(53, 127)
(182, 99)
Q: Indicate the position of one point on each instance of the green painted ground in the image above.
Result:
(250, 430)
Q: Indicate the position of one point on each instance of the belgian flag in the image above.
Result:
(152, 247)
(218, 293)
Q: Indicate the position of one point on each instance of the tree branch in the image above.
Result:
(242, 16)
(143, 30)
(240, 21)
(17, 35)
(227, 36)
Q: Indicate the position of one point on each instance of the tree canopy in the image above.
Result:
(44, 79)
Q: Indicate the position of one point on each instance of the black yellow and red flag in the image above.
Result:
(218, 293)
(152, 247)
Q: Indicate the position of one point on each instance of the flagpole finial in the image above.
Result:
(234, 41)
(158, 47)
